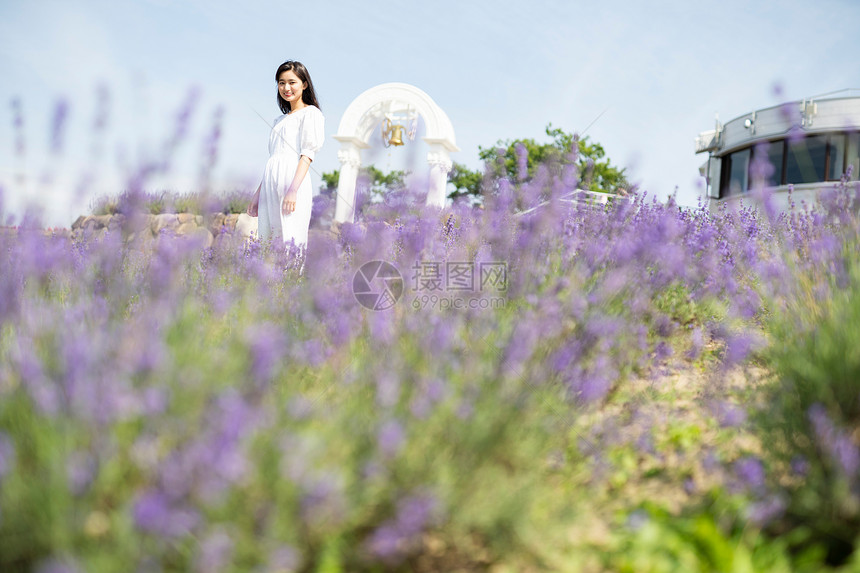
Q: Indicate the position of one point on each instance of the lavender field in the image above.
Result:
(632, 386)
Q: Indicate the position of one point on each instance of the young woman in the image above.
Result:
(284, 197)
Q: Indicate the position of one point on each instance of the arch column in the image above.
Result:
(440, 164)
(349, 156)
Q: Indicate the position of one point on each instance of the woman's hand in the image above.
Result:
(254, 205)
(289, 203)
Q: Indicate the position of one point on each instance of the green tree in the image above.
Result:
(380, 182)
(594, 170)
(467, 183)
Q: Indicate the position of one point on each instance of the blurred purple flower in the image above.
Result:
(58, 125)
(750, 471)
(637, 519)
(323, 500)
(390, 437)
(284, 559)
(728, 414)
(312, 352)
(387, 388)
(391, 541)
(267, 344)
(155, 400)
(799, 466)
(103, 99)
(697, 343)
(64, 564)
(522, 161)
(387, 543)
(766, 510)
(154, 513)
(836, 443)
(18, 124)
(738, 348)
(214, 553)
(81, 468)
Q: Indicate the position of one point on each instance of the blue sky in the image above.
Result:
(656, 70)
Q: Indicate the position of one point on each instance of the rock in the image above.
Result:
(201, 237)
(187, 228)
(79, 222)
(139, 222)
(185, 218)
(141, 241)
(230, 221)
(198, 220)
(114, 222)
(245, 225)
(95, 234)
(215, 221)
(164, 221)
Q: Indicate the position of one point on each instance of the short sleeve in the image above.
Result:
(313, 129)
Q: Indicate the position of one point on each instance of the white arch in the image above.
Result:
(364, 115)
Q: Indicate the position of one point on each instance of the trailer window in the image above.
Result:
(806, 160)
(737, 173)
(836, 156)
(853, 154)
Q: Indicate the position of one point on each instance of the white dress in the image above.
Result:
(293, 135)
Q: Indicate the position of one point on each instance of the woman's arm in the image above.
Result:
(254, 205)
(289, 203)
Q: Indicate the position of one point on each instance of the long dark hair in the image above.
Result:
(308, 94)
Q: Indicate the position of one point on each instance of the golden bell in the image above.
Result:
(396, 135)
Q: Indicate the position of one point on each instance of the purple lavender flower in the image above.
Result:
(390, 437)
(284, 559)
(64, 564)
(637, 519)
(738, 347)
(323, 499)
(214, 553)
(729, 414)
(697, 343)
(799, 466)
(18, 124)
(522, 161)
(267, 344)
(766, 510)
(391, 541)
(58, 125)
(387, 543)
(838, 444)
(81, 468)
(154, 513)
(750, 471)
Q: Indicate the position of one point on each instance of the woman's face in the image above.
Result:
(290, 87)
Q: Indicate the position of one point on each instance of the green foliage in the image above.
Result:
(595, 173)
(467, 183)
(812, 416)
(375, 180)
(329, 181)
(659, 541)
(169, 202)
